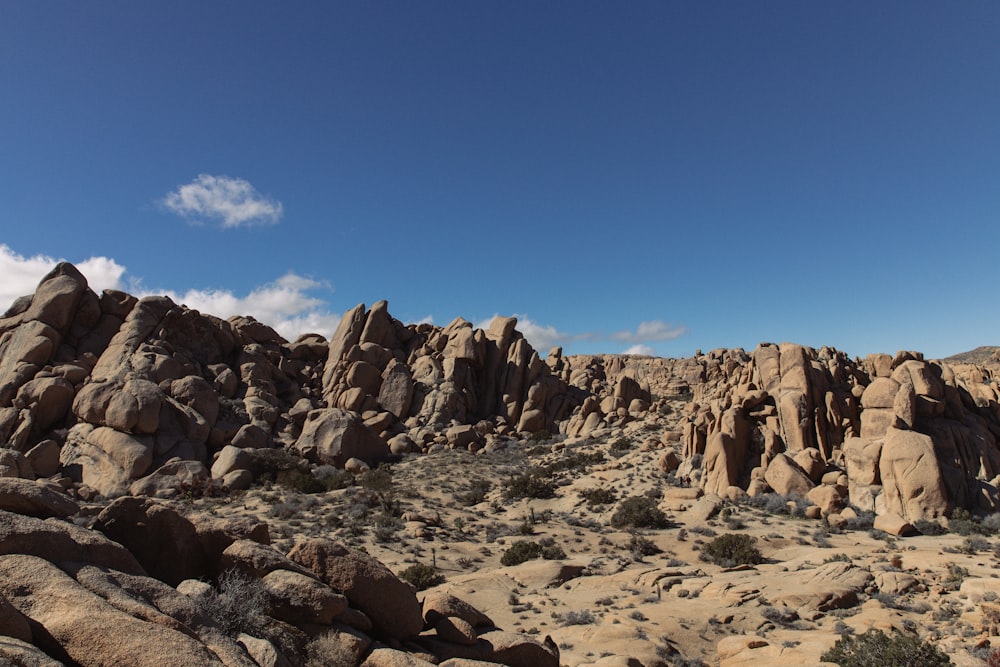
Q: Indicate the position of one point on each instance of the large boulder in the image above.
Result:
(787, 478)
(57, 541)
(912, 485)
(332, 436)
(79, 627)
(390, 603)
(38, 499)
(162, 540)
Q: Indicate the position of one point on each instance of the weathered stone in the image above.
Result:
(38, 499)
(390, 603)
(787, 478)
(911, 477)
(332, 436)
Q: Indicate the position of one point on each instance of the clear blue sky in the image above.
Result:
(724, 172)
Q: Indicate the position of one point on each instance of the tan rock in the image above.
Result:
(332, 436)
(894, 524)
(78, 620)
(390, 603)
(39, 499)
(786, 477)
(297, 598)
(911, 476)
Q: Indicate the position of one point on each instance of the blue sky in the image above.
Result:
(646, 176)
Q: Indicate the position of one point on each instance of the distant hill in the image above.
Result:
(986, 355)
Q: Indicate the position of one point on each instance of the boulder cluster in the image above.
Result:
(907, 439)
(133, 591)
(108, 394)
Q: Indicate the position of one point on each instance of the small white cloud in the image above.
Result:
(231, 201)
(21, 275)
(649, 332)
(643, 350)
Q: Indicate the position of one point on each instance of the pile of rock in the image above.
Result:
(108, 394)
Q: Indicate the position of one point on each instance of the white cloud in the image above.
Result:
(285, 305)
(543, 337)
(649, 332)
(21, 275)
(232, 201)
(643, 350)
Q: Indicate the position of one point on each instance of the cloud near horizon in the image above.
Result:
(650, 332)
(544, 337)
(285, 304)
(21, 274)
(233, 202)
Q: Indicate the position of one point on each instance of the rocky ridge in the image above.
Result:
(111, 405)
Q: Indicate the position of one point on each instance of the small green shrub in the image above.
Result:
(598, 496)
(641, 546)
(876, 649)
(733, 549)
(476, 494)
(521, 552)
(639, 512)
(528, 485)
(570, 461)
(620, 446)
(927, 527)
(421, 576)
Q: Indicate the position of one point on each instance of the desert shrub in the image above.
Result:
(876, 649)
(928, 527)
(598, 496)
(333, 478)
(639, 512)
(476, 493)
(991, 524)
(863, 521)
(975, 543)
(531, 484)
(378, 480)
(837, 558)
(585, 617)
(619, 446)
(520, 552)
(733, 549)
(640, 546)
(570, 461)
(238, 604)
(327, 649)
(421, 576)
(961, 522)
(299, 480)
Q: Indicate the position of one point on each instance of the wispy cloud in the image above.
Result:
(650, 332)
(643, 350)
(21, 274)
(233, 202)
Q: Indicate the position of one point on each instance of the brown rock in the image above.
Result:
(76, 621)
(456, 630)
(441, 604)
(894, 524)
(332, 435)
(390, 657)
(390, 603)
(162, 540)
(911, 477)
(297, 598)
(59, 541)
(22, 654)
(39, 499)
(787, 478)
